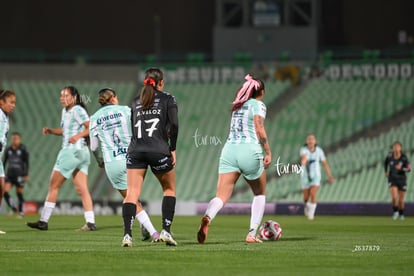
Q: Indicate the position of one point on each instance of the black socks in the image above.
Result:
(168, 209)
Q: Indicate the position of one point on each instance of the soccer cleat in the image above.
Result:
(395, 215)
(89, 226)
(167, 238)
(203, 229)
(155, 237)
(41, 225)
(2, 232)
(127, 241)
(253, 239)
(145, 235)
(402, 217)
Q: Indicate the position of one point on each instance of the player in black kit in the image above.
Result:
(16, 159)
(154, 124)
(396, 165)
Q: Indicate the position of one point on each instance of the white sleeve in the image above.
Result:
(322, 155)
(94, 143)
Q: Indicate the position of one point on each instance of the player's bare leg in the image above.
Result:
(401, 204)
(56, 181)
(258, 187)
(225, 185)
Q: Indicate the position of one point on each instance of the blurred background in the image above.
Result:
(342, 69)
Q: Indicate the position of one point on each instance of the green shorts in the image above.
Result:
(246, 159)
(71, 159)
(306, 183)
(117, 174)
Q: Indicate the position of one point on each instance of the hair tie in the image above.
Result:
(246, 91)
(149, 81)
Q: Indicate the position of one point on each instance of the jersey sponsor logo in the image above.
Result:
(103, 119)
(120, 151)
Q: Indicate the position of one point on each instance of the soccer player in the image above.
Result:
(72, 161)
(243, 155)
(154, 138)
(17, 157)
(110, 134)
(396, 165)
(311, 155)
(7, 105)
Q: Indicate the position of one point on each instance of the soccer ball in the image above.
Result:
(270, 231)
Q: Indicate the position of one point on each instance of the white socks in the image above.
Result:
(89, 216)
(47, 211)
(214, 206)
(144, 219)
(257, 210)
(311, 210)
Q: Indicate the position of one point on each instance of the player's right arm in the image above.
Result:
(386, 167)
(54, 131)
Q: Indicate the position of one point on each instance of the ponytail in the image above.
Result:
(152, 78)
(250, 89)
(105, 95)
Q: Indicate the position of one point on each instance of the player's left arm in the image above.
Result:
(406, 165)
(173, 130)
(262, 137)
(84, 133)
(328, 171)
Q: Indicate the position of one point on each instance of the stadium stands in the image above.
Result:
(333, 110)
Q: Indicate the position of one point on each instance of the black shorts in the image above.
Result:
(401, 185)
(159, 162)
(17, 181)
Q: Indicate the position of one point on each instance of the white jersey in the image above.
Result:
(4, 128)
(312, 168)
(242, 129)
(72, 123)
(111, 126)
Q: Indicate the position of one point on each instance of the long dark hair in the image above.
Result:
(152, 78)
(250, 89)
(75, 93)
(4, 93)
(78, 101)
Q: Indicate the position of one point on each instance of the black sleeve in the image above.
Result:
(25, 159)
(173, 122)
(406, 165)
(386, 164)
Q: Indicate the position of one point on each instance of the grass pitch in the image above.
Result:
(325, 246)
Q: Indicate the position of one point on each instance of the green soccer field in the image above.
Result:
(327, 245)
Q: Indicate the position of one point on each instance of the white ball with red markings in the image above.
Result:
(270, 231)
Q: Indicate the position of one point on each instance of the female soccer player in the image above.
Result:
(72, 161)
(311, 155)
(17, 157)
(243, 155)
(110, 130)
(154, 138)
(396, 165)
(7, 105)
